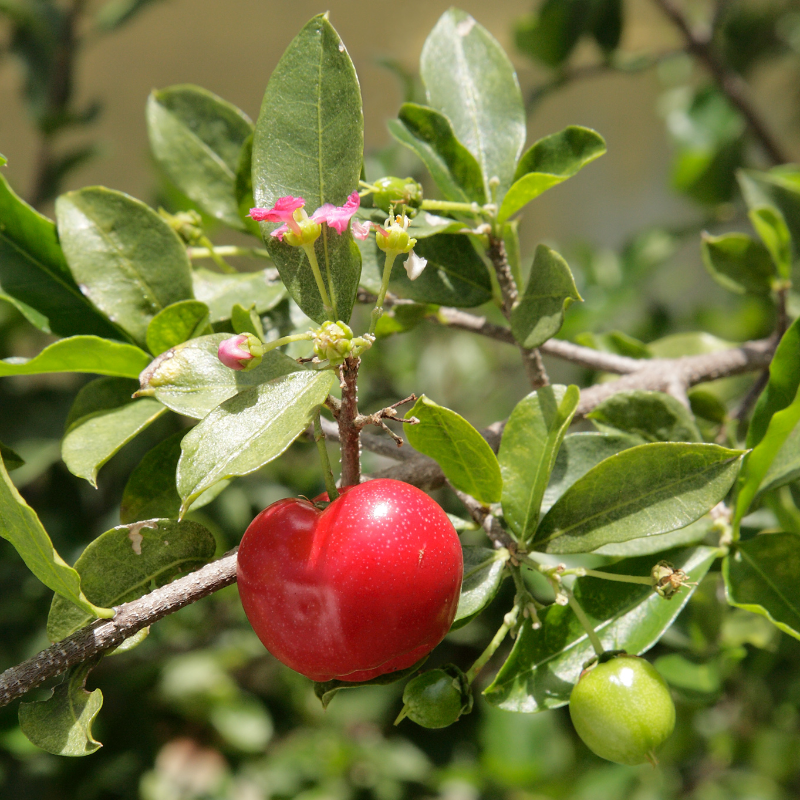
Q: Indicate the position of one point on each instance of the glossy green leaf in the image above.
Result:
(761, 576)
(126, 562)
(103, 419)
(463, 454)
(771, 227)
(176, 324)
(654, 416)
(20, 526)
(551, 289)
(548, 162)
(309, 143)
(693, 534)
(785, 467)
(738, 262)
(10, 458)
(36, 319)
(430, 135)
(469, 78)
(545, 663)
(191, 380)
(249, 430)
(643, 491)
(81, 354)
(62, 724)
(127, 259)
(531, 439)
(196, 137)
(221, 292)
(483, 574)
(33, 272)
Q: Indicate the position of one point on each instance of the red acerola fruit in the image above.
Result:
(367, 586)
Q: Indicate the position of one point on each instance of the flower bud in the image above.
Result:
(393, 236)
(334, 342)
(397, 191)
(242, 352)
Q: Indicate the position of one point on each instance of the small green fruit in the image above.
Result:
(436, 698)
(397, 191)
(623, 710)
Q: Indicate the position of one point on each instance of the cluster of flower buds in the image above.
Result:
(187, 224)
(334, 342)
(243, 352)
(668, 580)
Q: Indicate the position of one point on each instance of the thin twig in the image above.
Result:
(348, 429)
(484, 517)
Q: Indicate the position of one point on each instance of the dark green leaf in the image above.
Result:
(36, 319)
(483, 574)
(34, 272)
(430, 135)
(531, 439)
(62, 724)
(309, 142)
(548, 162)
(221, 292)
(551, 35)
(771, 227)
(761, 576)
(654, 416)
(545, 663)
(10, 458)
(81, 354)
(127, 260)
(646, 490)
(607, 24)
(469, 78)
(551, 289)
(197, 137)
(176, 324)
(463, 454)
(249, 430)
(738, 263)
(243, 187)
(126, 562)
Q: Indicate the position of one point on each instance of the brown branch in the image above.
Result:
(484, 517)
(348, 429)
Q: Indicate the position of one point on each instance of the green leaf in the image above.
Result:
(607, 24)
(455, 274)
(10, 458)
(246, 320)
(550, 291)
(761, 576)
(176, 324)
(33, 271)
(309, 143)
(551, 34)
(548, 162)
(785, 467)
(483, 574)
(463, 454)
(531, 439)
(221, 292)
(36, 319)
(654, 416)
(243, 187)
(191, 380)
(249, 430)
(81, 354)
(646, 490)
(776, 191)
(62, 724)
(771, 227)
(127, 562)
(545, 663)
(197, 137)
(738, 262)
(693, 534)
(469, 78)
(128, 260)
(430, 135)
(103, 419)
(20, 526)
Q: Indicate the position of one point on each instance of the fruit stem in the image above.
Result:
(327, 472)
(585, 623)
(509, 621)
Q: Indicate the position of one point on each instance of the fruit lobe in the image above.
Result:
(367, 586)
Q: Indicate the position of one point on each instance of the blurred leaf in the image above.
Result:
(103, 419)
(33, 271)
(81, 354)
(738, 262)
(545, 663)
(128, 260)
(197, 138)
(430, 135)
(761, 576)
(680, 672)
(20, 526)
(617, 342)
(176, 324)
(36, 319)
(221, 292)
(62, 724)
(655, 416)
(10, 458)
(243, 187)
(531, 439)
(607, 23)
(776, 191)
(463, 454)
(483, 574)
(549, 292)
(309, 142)
(551, 35)
(249, 430)
(548, 162)
(191, 380)
(785, 467)
(657, 488)
(129, 561)
(469, 78)
(402, 318)
(771, 227)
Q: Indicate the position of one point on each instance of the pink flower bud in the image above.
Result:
(240, 352)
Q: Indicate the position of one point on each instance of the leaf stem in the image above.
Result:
(509, 621)
(585, 623)
(216, 257)
(323, 293)
(609, 576)
(377, 312)
(327, 472)
(228, 250)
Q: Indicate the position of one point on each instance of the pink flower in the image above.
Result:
(282, 211)
(338, 217)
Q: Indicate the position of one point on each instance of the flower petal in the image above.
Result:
(231, 354)
(414, 265)
(279, 232)
(361, 229)
(338, 217)
(281, 212)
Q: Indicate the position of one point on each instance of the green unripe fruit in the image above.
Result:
(397, 191)
(437, 698)
(623, 710)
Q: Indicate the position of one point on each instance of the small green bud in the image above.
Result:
(309, 230)
(393, 236)
(334, 342)
(187, 224)
(437, 698)
(393, 192)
